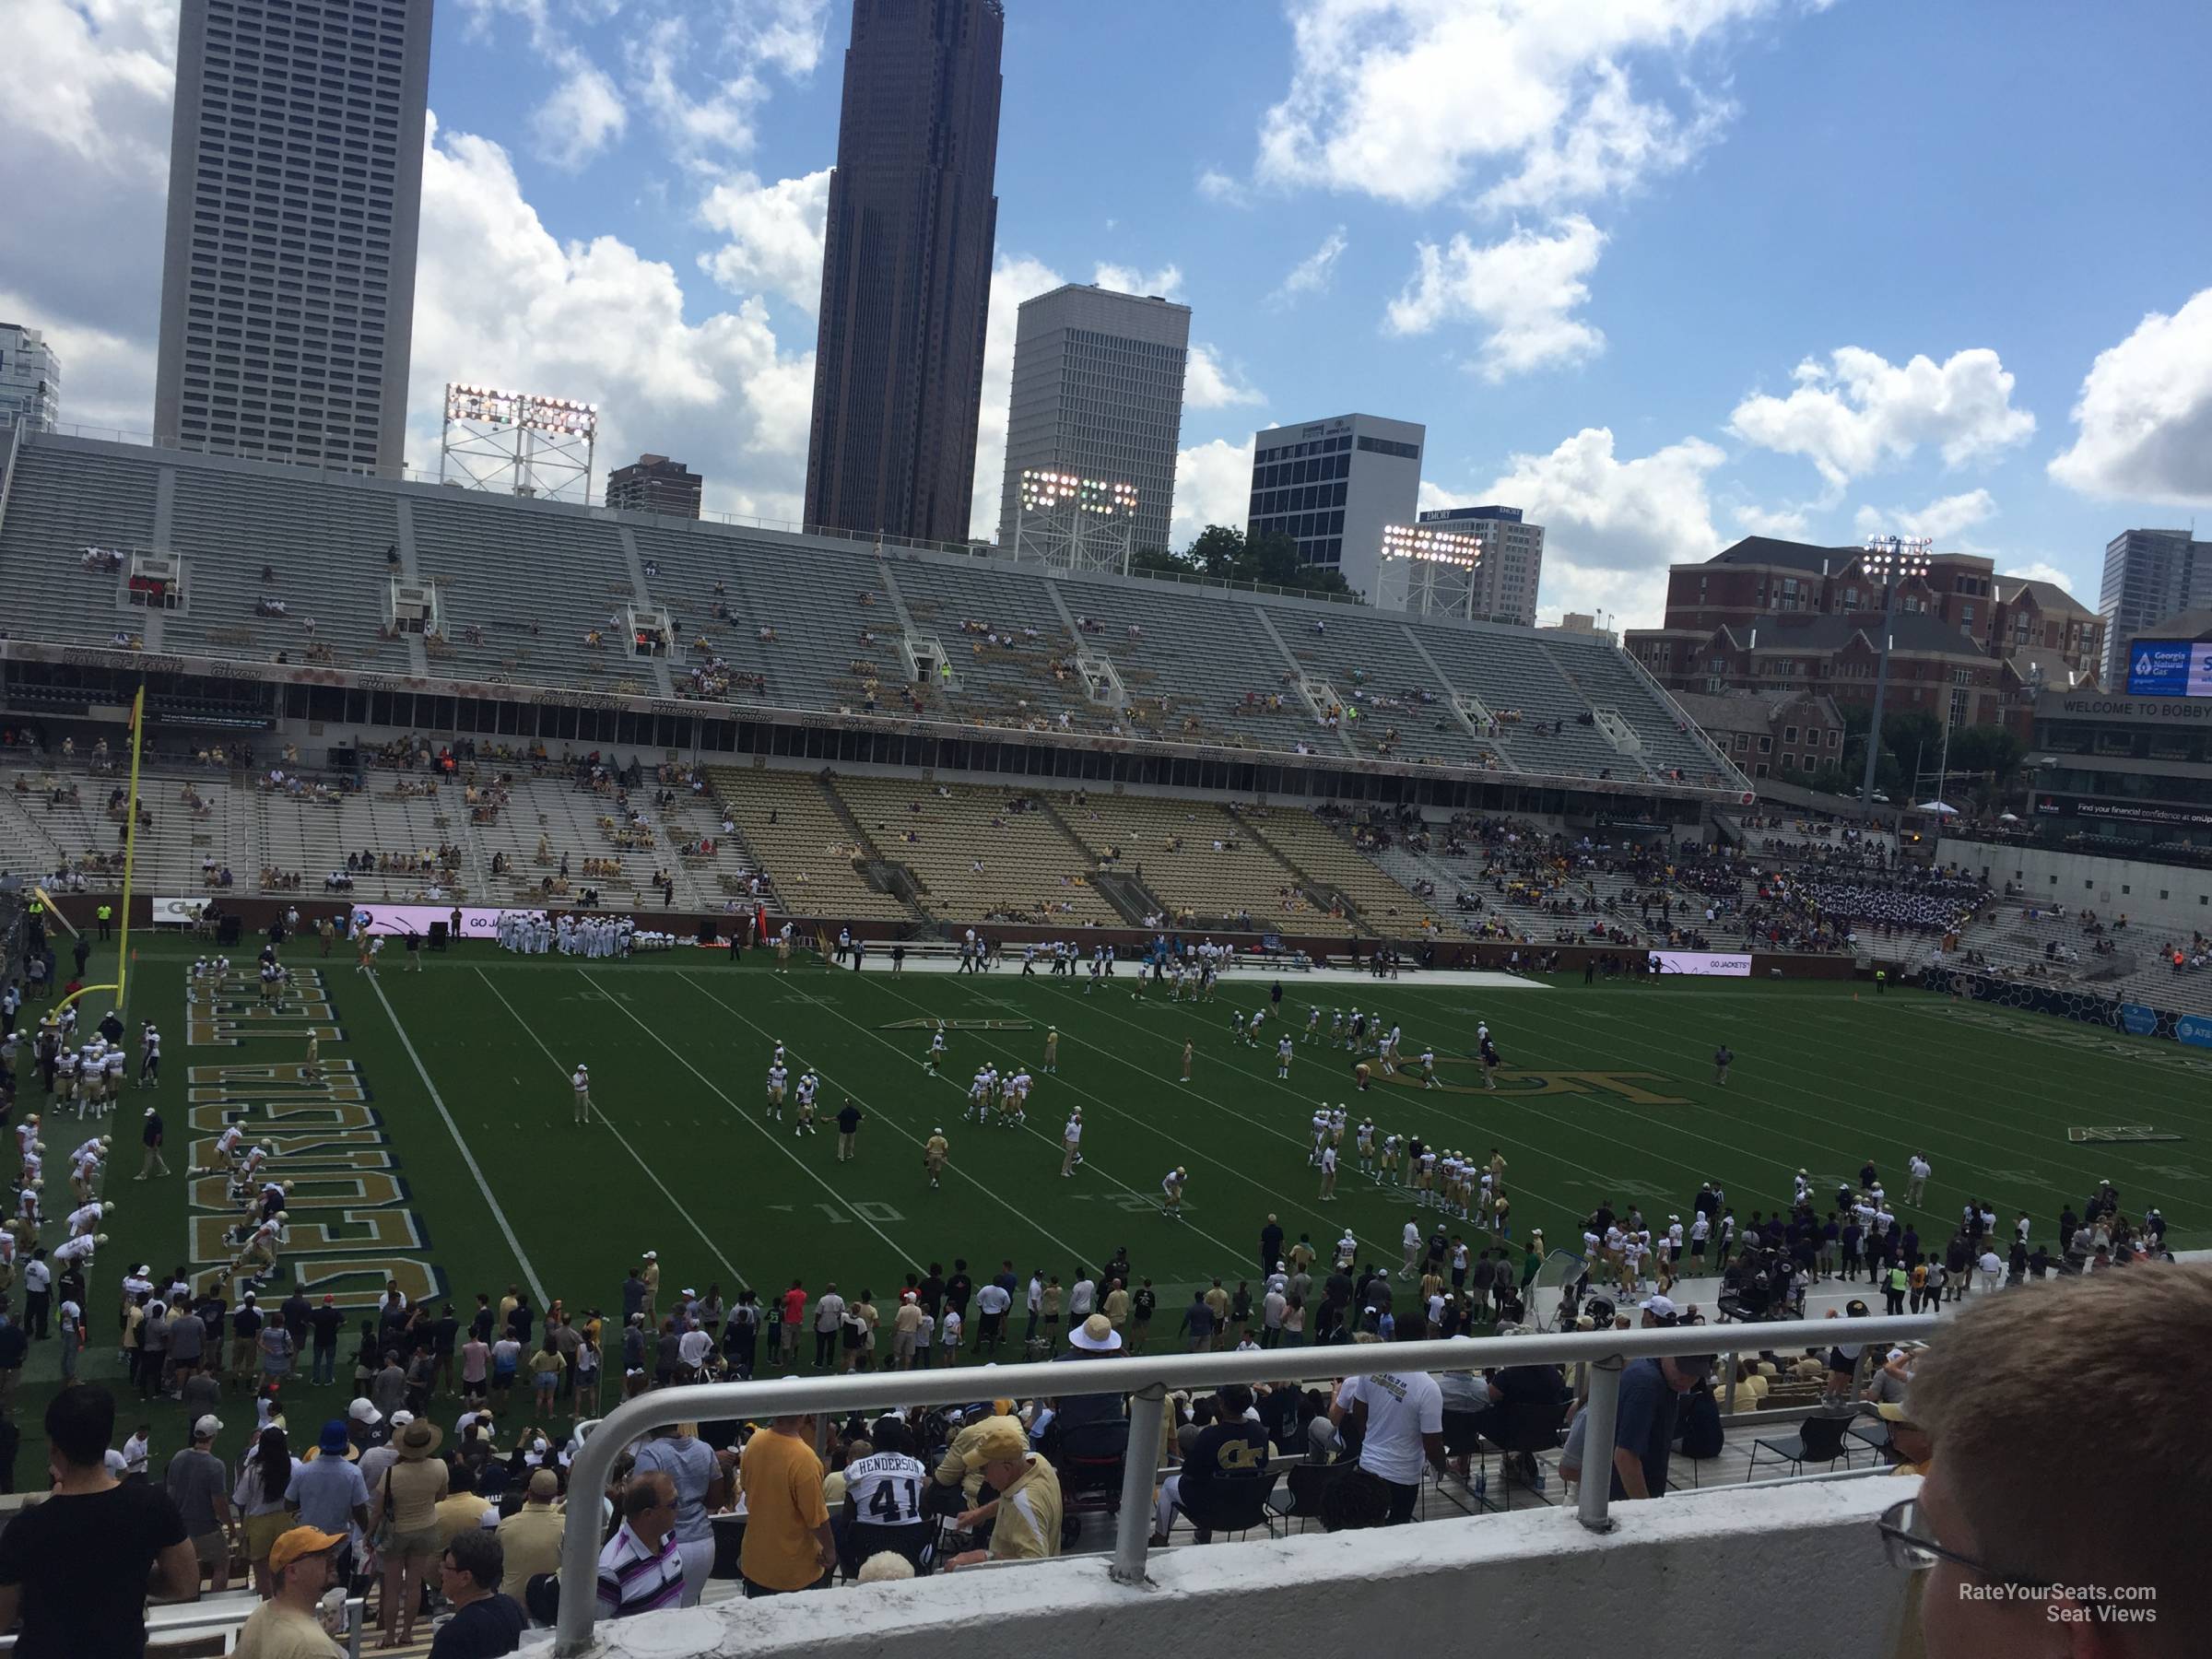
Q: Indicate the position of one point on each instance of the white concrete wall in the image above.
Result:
(1725, 1571)
(2159, 899)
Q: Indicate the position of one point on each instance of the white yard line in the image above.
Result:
(607, 1122)
(1052, 1140)
(905, 1258)
(468, 1157)
(951, 1167)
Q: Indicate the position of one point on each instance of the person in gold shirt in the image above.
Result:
(285, 1627)
(530, 1539)
(788, 1544)
(933, 1153)
(1025, 1516)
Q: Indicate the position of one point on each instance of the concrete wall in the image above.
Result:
(2159, 899)
(1712, 1571)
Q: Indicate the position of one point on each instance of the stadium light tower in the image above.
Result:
(1891, 561)
(1073, 524)
(1427, 571)
(518, 442)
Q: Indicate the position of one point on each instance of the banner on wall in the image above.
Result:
(178, 913)
(1699, 962)
(478, 921)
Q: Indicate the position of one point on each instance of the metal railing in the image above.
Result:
(1146, 1380)
(162, 1628)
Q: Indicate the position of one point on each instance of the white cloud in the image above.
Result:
(700, 127)
(1612, 144)
(581, 117)
(1207, 385)
(1523, 289)
(84, 168)
(499, 299)
(1788, 523)
(1380, 99)
(1611, 528)
(775, 236)
(1218, 186)
(1014, 278)
(2144, 419)
(1166, 282)
(2038, 571)
(1858, 411)
(1312, 273)
(1941, 519)
(1212, 485)
(786, 34)
(107, 377)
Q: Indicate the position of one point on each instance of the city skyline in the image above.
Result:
(628, 211)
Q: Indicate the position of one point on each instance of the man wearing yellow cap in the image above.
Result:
(302, 1563)
(1025, 1516)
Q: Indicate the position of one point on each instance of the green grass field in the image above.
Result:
(439, 1144)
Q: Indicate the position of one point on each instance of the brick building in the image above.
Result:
(1768, 615)
(1770, 733)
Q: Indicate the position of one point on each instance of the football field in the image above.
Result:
(437, 1144)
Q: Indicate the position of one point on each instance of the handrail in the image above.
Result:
(216, 1618)
(1146, 1380)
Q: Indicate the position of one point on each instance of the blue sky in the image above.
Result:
(1659, 271)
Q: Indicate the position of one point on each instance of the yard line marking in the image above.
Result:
(468, 1157)
(728, 1266)
(1076, 1255)
(747, 1119)
(1958, 1131)
(897, 1129)
(1301, 1205)
(1187, 1011)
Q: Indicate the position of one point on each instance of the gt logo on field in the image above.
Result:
(2119, 1132)
(1627, 1086)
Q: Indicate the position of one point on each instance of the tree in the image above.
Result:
(1224, 553)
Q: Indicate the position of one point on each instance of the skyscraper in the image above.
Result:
(295, 187)
(30, 378)
(654, 484)
(906, 270)
(1332, 485)
(1097, 391)
(2148, 575)
(1512, 560)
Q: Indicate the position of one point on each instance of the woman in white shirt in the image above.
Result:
(264, 1473)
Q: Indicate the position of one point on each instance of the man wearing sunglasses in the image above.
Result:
(2047, 1393)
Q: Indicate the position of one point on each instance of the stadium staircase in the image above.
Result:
(1129, 897)
(1324, 894)
(886, 876)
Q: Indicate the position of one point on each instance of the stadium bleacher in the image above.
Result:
(531, 591)
(294, 568)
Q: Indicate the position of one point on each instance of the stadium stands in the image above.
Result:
(980, 854)
(807, 842)
(535, 593)
(1201, 864)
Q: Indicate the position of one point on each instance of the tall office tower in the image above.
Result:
(906, 271)
(1332, 485)
(1097, 392)
(295, 188)
(2148, 575)
(30, 378)
(654, 484)
(1512, 560)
